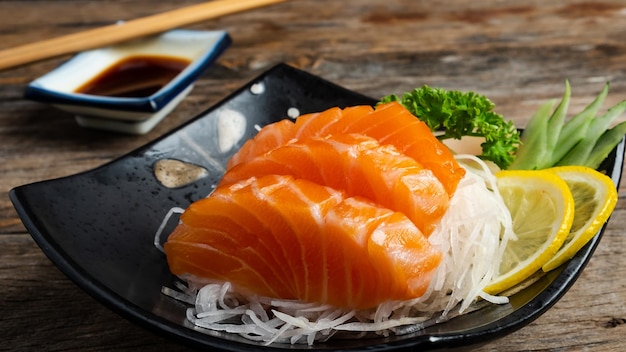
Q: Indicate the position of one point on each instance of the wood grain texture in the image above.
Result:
(518, 54)
(124, 31)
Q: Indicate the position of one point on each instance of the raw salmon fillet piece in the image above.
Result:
(290, 238)
(389, 124)
(333, 208)
(360, 166)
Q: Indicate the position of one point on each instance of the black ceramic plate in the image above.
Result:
(98, 227)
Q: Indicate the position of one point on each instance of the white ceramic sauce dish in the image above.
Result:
(63, 87)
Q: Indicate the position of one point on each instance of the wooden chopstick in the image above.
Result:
(116, 33)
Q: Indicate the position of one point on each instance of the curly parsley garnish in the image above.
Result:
(459, 114)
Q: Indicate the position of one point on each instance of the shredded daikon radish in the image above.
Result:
(472, 236)
(157, 237)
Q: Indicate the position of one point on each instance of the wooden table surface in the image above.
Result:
(517, 53)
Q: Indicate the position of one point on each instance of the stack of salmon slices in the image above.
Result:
(335, 208)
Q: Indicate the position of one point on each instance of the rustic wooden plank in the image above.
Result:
(41, 307)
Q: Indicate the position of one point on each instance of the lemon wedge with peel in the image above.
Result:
(542, 210)
(595, 197)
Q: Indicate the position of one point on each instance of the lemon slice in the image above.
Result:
(542, 209)
(595, 197)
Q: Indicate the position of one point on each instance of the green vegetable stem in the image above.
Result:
(459, 114)
(584, 140)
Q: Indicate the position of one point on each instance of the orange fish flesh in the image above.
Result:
(360, 166)
(390, 123)
(334, 208)
(290, 238)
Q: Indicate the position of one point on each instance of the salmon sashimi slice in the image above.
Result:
(359, 166)
(270, 137)
(329, 121)
(393, 124)
(290, 238)
(413, 138)
(390, 123)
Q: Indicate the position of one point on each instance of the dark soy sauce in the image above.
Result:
(135, 76)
